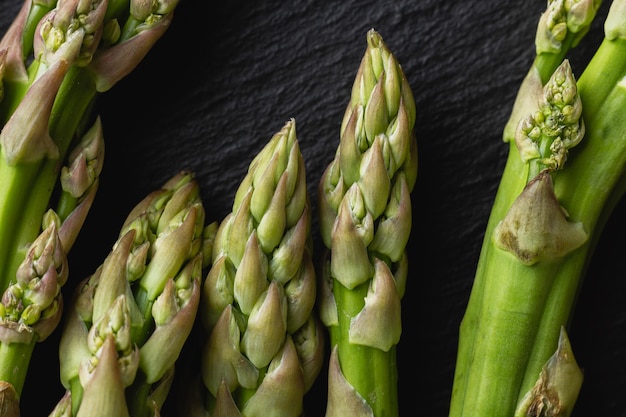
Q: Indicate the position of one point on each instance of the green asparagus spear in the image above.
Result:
(55, 58)
(129, 320)
(365, 222)
(265, 344)
(519, 304)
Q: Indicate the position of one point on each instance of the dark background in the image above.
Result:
(226, 76)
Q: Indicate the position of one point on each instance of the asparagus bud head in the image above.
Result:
(263, 350)
(126, 47)
(131, 318)
(86, 161)
(381, 104)
(544, 137)
(71, 31)
(560, 17)
(114, 325)
(79, 182)
(580, 14)
(32, 305)
(552, 27)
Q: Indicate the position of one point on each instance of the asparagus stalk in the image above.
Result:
(55, 58)
(365, 222)
(518, 305)
(129, 320)
(264, 347)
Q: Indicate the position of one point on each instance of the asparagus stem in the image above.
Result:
(17, 356)
(379, 379)
(590, 188)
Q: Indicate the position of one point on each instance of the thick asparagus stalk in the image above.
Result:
(129, 320)
(365, 222)
(265, 344)
(517, 308)
(54, 60)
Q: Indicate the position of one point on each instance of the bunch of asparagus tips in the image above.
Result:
(55, 59)
(263, 300)
(127, 323)
(564, 175)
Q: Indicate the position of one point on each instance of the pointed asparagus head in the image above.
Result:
(32, 306)
(561, 17)
(545, 136)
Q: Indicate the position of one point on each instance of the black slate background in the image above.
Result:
(227, 75)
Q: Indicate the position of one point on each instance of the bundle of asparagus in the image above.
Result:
(128, 321)
(55, 59)
(564, 174)
(365, 222)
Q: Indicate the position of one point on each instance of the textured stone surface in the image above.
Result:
(225, 78)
